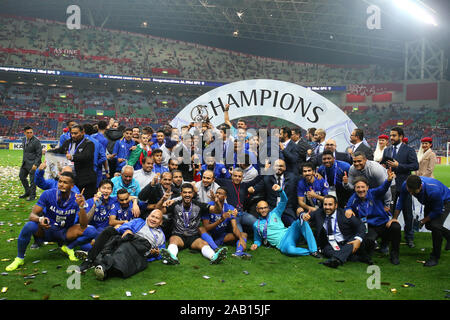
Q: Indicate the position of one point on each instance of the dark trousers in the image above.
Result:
(30, 188)
(392, 234)
(407, 211)
(100, 242)
(438, 231)
(346, 252)
(90, 189)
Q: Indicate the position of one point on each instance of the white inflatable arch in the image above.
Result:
(279, 99)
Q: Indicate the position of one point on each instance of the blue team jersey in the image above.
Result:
(220, 171)
(158, 168)
(320, 186)
(334, 175)
(433, 196)
(125, 214)
(221, 229)
(101, 138)
(101, 213)
(62, 213)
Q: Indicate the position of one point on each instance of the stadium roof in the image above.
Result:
(332, 31)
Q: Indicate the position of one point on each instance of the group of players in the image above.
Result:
(203, 204)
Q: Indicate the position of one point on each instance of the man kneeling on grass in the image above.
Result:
(270, 230)
(186, 215)
(53, 218)
(125, 251)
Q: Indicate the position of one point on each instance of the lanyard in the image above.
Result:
(187, 215)
(57, 199)
(335, 173)
(264, 233)
(366, 207)
(238, 191)
(76, 147)
(155, 236)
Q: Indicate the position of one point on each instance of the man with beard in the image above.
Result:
(53, 218)
(203, 188)
(126, 181)
(333, 171)
(126, 209)
(289, 151)
(186, 215)
(402, 159)
(368, 205)
(310, 190)
(219, 170)
(80, 151)
(340, 242)
(270, 230)
(32, 154)
(288, 182)
(145, 175)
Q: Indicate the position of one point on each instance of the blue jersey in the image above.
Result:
(46, 184)
(101, 138)
(221, 229)
(61, 213)
(333, 176)
(433, 196)
(122, 151)
(159, 168)
(64, 137)
(372, 207)
(320, 187)
(125, 214)
(220, 171)
(100, 218)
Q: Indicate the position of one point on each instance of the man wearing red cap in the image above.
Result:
(426, 157)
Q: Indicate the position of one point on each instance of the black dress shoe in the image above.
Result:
(410, 243)
(24, 196)
(316, 255)
(431, 262)
(394, 258)
(332, 263)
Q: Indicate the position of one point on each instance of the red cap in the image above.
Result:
(383, 136)
(427, 139)
(405, 140)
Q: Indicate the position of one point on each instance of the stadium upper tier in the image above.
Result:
(51, 45)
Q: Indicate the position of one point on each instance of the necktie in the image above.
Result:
(394, 152)
(318, 148)
(329, 229)
(279, 180)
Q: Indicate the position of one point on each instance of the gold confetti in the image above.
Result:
(4, 289)
(152, 291)
(393, 290)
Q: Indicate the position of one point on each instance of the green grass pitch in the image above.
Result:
(271, 275)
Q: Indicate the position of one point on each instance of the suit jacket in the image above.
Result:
(32, 153)
(264, 188)
(350, 228)
(407, 162)
(366, 149)
(290, 154)
(427, 164)
(83, 160)
(303, 148)
(341, 156)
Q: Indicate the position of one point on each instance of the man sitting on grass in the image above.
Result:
(186, 215)
(219, 223)
(126, 250)
(270, 230)
(53, 218)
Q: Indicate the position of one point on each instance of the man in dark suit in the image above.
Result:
(302, 145)
(80, 150)
(331, 145)
(405, 161)
(289, 152)
(356, 138)
(338, 236)
(32, 154)
(288, 182)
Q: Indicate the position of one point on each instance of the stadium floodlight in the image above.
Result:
(417, 9)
